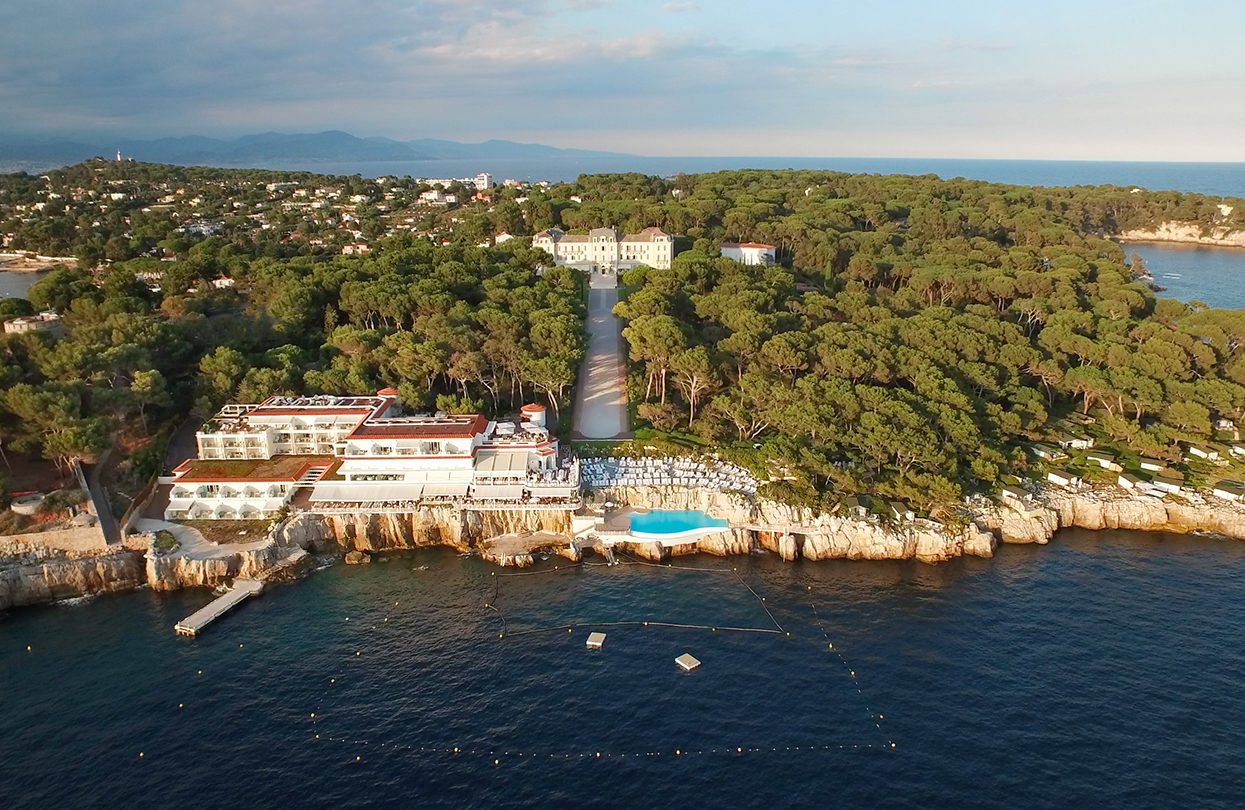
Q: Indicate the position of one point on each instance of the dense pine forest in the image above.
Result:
(915, 335)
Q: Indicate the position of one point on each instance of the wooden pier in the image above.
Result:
(242, 589)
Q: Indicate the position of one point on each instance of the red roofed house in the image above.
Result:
(750, 253)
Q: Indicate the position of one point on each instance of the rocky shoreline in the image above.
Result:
(30, 574)
(1186, 233)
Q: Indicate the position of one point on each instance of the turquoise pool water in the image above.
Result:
(669, 521)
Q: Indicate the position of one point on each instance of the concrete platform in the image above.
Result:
(687, 661)
(595, 640)
(194, 624)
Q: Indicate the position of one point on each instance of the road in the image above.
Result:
(601, 399)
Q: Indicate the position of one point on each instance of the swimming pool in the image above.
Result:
(665, 523)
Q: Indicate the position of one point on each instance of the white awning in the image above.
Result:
(368, 491)
(445, 490)
(554, 492)
(498, 492)
(501, 463)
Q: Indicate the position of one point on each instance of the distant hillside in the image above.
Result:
(331, 146)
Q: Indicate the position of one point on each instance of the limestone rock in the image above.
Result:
(357, 558)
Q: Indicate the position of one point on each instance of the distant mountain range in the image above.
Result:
(254, 150)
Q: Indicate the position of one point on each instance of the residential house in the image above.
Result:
(1128, 481)
(749, 253)
(1047, 452)
(900, 511)
(48, 322)
(854, 508)
(1152, 465)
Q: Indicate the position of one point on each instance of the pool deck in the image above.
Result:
(615, 527)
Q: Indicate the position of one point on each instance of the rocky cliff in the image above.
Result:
(172, 572)
(431, 526)
(1188, 233)
(796, 532)
(1109, 508)
(30, 575)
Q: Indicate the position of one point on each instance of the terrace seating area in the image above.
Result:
(667, 472)
(407, 506)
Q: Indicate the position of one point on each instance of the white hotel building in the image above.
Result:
(600, 250)
(355, 453)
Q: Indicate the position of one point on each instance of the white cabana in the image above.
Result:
(368, 491)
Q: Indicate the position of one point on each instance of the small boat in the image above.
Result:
(1171, 275)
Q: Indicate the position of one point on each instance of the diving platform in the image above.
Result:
(242, 589)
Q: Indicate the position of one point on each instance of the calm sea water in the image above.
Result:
(14, 284)
(1221, 179)
(1214, 276)
(1105, 669)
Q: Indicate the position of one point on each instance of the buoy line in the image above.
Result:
(669, 753)
(505, 624)
(874, 717)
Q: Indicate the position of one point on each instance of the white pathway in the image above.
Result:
(601, 399)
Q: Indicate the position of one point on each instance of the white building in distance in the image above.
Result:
(750, 253)
(601, 250)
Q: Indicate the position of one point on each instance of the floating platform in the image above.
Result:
(595, 640)
(687, 661)
(194, 624)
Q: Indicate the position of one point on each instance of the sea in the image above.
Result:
(1215, 179)
(1103, 669)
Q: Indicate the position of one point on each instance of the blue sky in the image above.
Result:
(1095, 79)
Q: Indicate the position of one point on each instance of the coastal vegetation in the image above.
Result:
(914, 337)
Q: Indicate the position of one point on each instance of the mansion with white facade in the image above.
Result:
(755, 254)
(331, 453)
(600, 250)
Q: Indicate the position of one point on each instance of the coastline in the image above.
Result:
(1184, 233)
(32, 574)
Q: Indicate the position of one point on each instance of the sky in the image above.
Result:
(1091, 80)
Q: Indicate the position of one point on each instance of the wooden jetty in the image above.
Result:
(242, 589)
